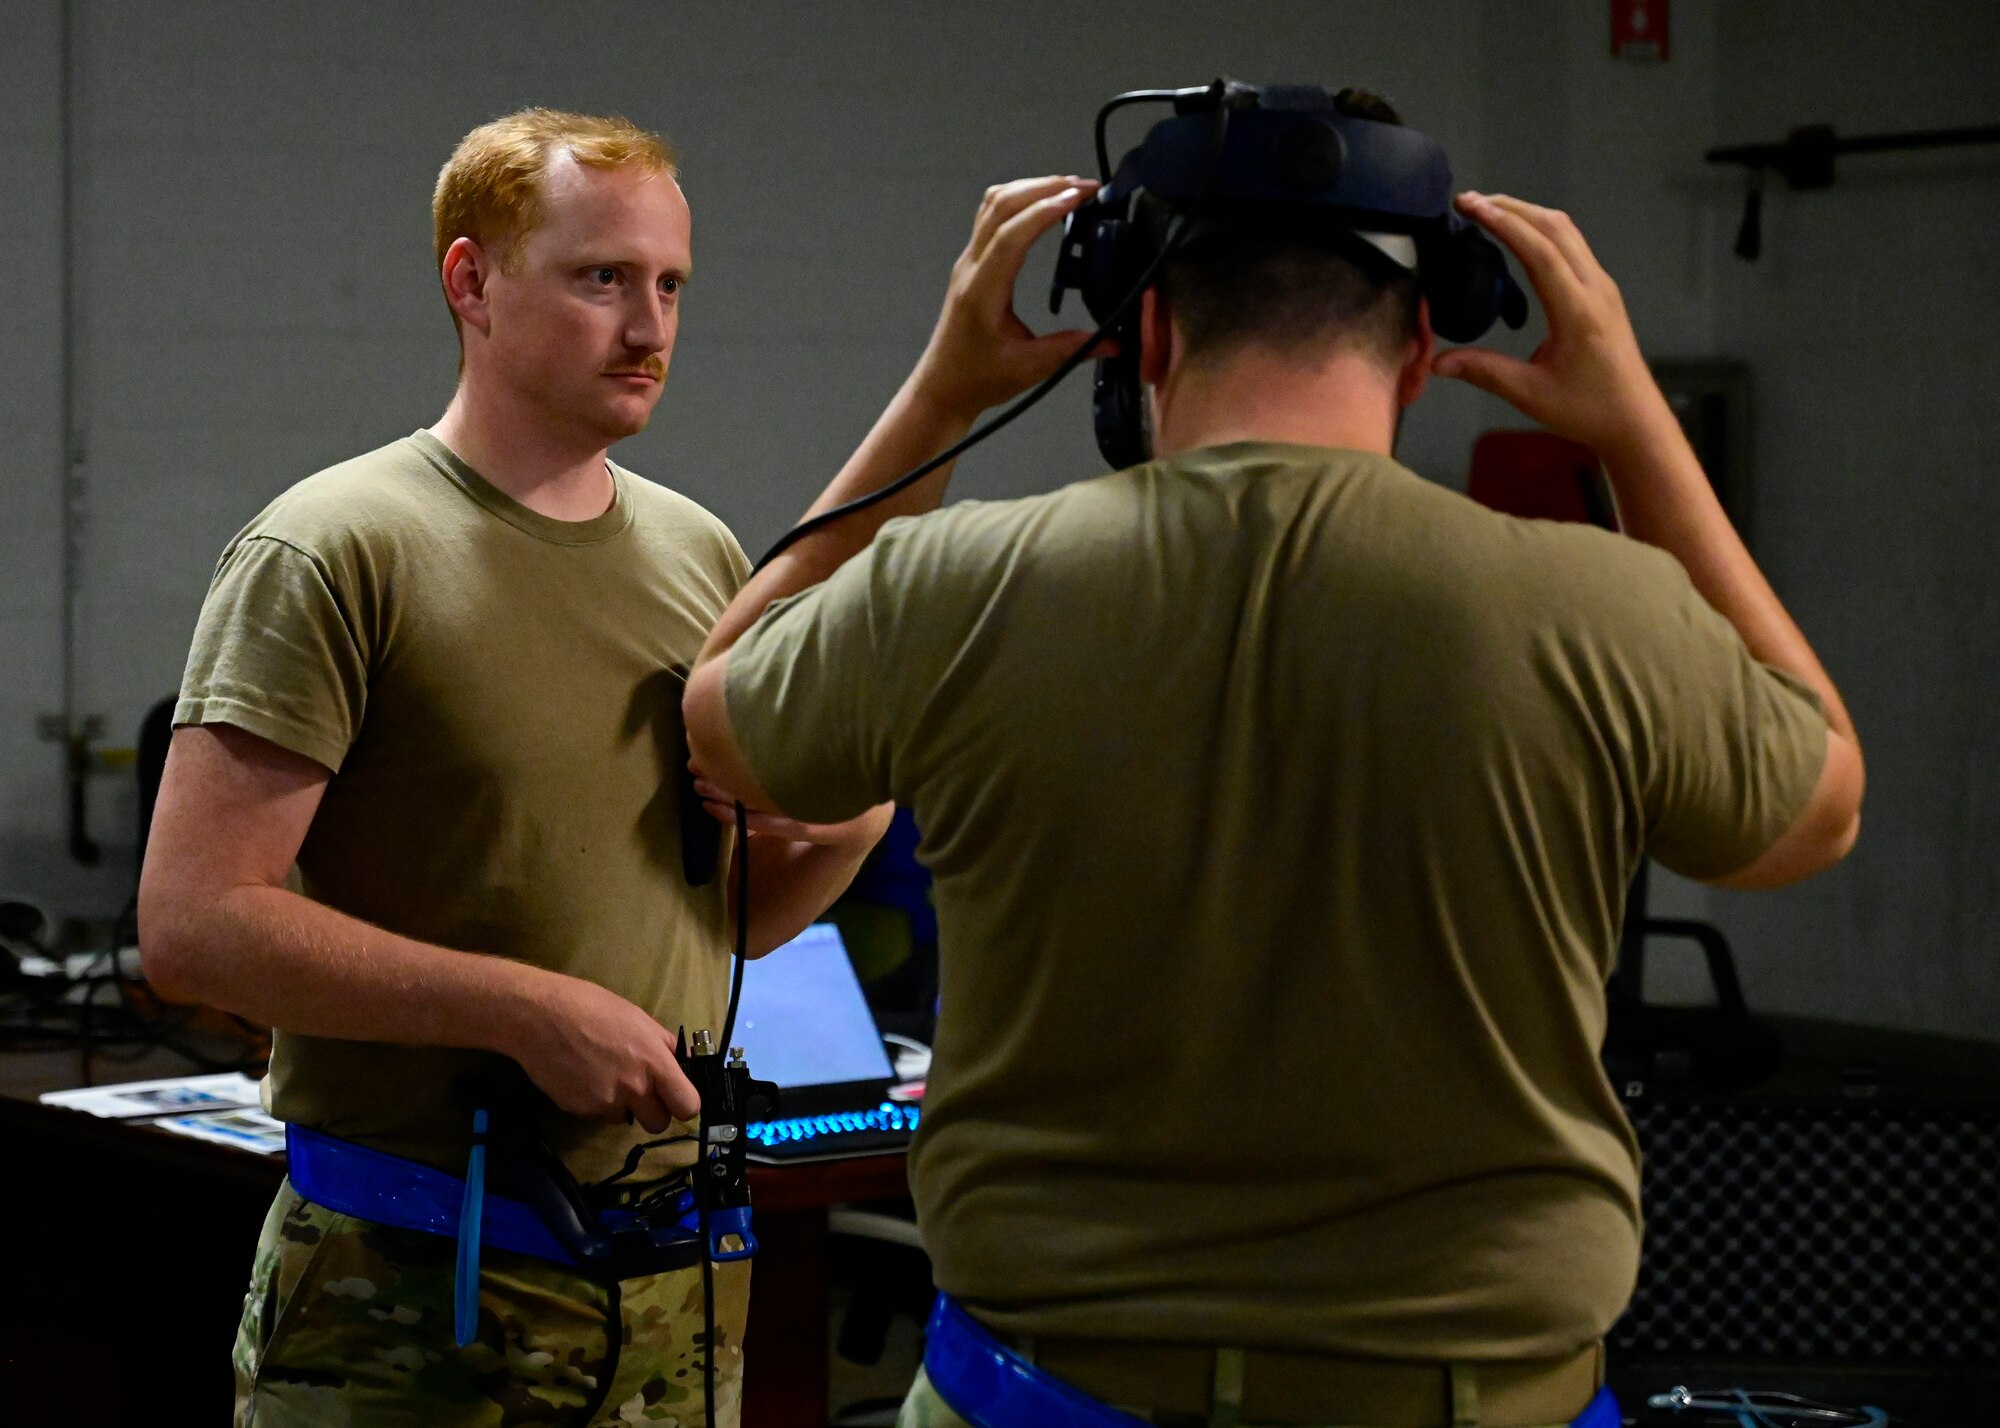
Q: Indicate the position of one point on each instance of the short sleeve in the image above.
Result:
(738, 563)
(276, 654)
(807, 696)
(1737, 745)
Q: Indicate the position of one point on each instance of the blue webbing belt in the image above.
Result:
(990, 1386)
(352, 1179)
(386, 1189)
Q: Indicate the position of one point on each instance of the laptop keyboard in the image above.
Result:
(836, 1133)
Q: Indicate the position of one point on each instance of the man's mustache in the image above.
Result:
(654, 366)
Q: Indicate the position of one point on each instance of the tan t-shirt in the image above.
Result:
(496, 694)
(1281, 807)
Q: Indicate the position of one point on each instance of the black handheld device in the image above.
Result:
(1293, 162)
(730, 1099)
(701, 835)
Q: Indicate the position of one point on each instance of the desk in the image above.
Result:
(126, 1252)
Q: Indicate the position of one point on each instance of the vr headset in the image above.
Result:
(1276, 160)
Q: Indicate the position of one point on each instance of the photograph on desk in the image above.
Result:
(988, 716)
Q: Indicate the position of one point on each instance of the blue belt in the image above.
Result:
(990, 1386)
(352, 1179)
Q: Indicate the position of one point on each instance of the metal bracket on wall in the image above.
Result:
(80, 759)
(75, 731)
(1805, 160)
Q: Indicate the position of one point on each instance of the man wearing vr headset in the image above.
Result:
(1281, 807)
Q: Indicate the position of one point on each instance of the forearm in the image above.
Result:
(792, 883)
(283, 960)
(1665, 499)
(910, 431)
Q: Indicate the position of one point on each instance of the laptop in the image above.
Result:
(804, 1024)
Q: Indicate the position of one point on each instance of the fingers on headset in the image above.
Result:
(1485, 369)
(1548, 269)
(1066, 342)
(1003, 202)
(1559, 228)
(1018, 234)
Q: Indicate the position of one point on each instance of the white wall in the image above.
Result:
(31, 789)
(260, 302)
(1869, 324)
(259, 299)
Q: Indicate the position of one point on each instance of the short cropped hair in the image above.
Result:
(1258, 286)
(490, 188)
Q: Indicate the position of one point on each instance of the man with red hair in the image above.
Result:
(443, 681)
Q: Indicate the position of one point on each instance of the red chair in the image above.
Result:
(1540, 475)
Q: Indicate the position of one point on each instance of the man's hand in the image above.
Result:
(595, 1054)
(1587, 381)
(721, 806)
(981, 353)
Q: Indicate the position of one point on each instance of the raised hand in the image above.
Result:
(981, 353)
(1587, 381)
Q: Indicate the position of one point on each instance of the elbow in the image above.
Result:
(699, 706)
(1845, 839)
(166, 968)
(167, 950)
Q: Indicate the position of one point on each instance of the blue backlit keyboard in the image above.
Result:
(886, 1127)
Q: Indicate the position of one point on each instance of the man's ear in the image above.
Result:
(1156, 337)
(1417, 355)
(464, 273)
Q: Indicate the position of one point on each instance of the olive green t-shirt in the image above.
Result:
(496, 694)
(1281, 807)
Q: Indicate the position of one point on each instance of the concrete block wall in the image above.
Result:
(259, 299)
(31, 789)
(1868, 325)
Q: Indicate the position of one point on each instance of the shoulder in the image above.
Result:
(970, 538)
(1560, 566)
(1600, 575)
(665, 517)
(356, 503)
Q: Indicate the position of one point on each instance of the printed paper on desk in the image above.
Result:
(245, 1129)
(159, 1098)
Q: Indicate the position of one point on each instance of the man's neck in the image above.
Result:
(1344, 400)
(553, 473)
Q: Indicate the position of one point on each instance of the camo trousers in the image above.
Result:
(350, 1323)
(924, 1407)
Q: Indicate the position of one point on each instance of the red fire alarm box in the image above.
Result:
(1639, 29)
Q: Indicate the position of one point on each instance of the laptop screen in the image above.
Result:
(803, 1021)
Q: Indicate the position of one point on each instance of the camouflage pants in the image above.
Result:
(924, 1407)
(350, 1323)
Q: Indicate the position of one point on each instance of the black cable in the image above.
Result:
(614, 1349)
(632, 1158)
(742, 922)
(1117, 102)
(1076, 359)
(728, 1031)
(707, 1319)
(978, 434)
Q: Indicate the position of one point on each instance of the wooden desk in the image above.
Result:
(126, 1252)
